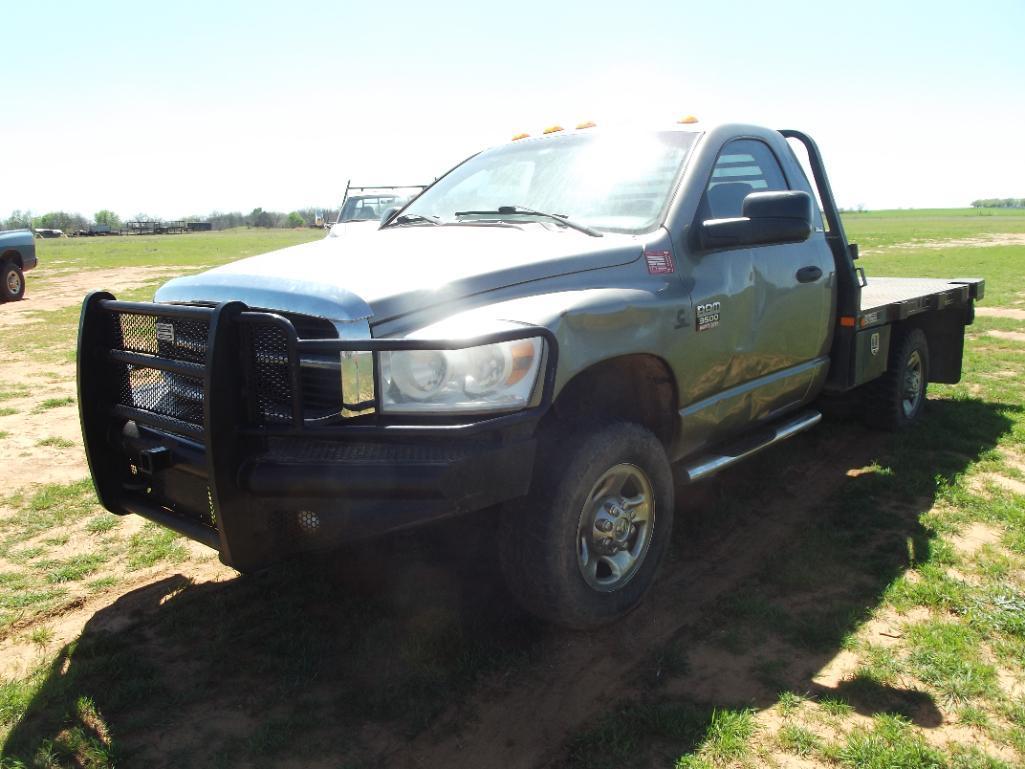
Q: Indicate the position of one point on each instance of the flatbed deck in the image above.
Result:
(885, 300)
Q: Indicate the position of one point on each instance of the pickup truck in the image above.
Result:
(363, 205)
(17, 256)
(566, 329)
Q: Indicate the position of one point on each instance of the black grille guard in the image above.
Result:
(117, 351)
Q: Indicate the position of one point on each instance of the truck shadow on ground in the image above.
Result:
(369, 655)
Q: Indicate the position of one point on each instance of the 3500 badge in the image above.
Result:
(708, 315)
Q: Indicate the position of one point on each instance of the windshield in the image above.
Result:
(615, 182)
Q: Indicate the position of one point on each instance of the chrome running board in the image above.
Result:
(709, 464)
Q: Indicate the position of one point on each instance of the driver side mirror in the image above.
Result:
(767, 218)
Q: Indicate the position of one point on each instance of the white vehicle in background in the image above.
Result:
(364, 205)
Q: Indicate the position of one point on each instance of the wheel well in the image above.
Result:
(637, 388)
(12, 256)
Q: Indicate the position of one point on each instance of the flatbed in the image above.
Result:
(890, 299)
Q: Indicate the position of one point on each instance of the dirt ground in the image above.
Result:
(521, 721)
(523, 724)
(61, 463)
(517, 721)
(65, 288)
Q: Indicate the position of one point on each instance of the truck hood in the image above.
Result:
(382, 274)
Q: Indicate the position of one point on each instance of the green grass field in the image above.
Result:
(849, 599)
(183, 251)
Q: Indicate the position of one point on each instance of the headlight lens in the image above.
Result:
(419, 374)
(492, 377)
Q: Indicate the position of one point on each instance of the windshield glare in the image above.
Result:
(616, 182)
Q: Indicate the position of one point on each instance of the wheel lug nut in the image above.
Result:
(603, 525)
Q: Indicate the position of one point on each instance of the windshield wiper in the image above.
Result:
(414, 219)
(560, 218)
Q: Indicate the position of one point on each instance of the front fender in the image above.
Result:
(592, 325)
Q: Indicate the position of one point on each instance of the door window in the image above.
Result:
(743, 166)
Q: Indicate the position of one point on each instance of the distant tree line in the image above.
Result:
(999, 203)
(70, 223)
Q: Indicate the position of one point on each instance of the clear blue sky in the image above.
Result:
(180, 108)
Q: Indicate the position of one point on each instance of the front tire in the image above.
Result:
(583, 547)
(12, 282)
(897, 398)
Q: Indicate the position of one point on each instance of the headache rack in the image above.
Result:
(225, 383)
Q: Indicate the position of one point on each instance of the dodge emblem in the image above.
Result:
(165, 332)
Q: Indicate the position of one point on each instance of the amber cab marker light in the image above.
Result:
(847, 321)
(586, 124)
(517, 137)
(553, 129)
(687, 120)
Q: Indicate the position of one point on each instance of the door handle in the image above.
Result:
(808, 274)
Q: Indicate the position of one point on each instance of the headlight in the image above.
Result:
(491, 377)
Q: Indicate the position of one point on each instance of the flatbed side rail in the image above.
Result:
(958, 293)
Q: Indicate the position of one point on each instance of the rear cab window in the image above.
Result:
(743, 166)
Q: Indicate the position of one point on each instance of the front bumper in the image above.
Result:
(257, 483)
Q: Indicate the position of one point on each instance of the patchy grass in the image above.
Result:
(836, 707)
(53, 403)
(155, 544)
(890, 743)
(947, 655)
(48, 506)
(728, 737)
(799, 741)
(789, 703)
(73, 569)
(56, 443)
(9, 391)
(102, 523)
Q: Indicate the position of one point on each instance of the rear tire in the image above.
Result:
(12, 282)
(897, 398)
(583, 547)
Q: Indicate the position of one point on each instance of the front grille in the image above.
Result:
(174, 395)
(270, 386)
(267, 374)
(138, 333)
(170, 395)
